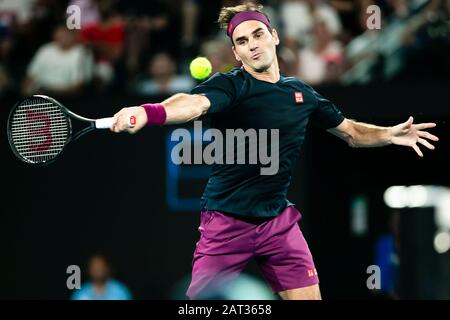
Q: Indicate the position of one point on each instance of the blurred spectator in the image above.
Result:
(106, 37)
(287, 61)
(190, 13)
(6, 43)
(298, 17)
(321, 61)
(47, 15)
(6, 40)
(353, 16)
(398, 8)
(101, 286)
(206, 22)
(162, 78)
(90, 11)
(60, 67)
(16, 12)
(220, 55)
(15, 16)
(149, 25)
(4, 81)
(122, 34)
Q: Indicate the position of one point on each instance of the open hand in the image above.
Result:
(409, 134)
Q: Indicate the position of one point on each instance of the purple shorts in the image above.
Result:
(227, 244)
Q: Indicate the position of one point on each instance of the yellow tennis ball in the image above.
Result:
(200, 68)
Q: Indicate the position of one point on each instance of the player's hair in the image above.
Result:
(227, 13)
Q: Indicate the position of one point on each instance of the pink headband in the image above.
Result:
(244, 16)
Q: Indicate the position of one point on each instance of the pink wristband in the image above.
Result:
(156, 114)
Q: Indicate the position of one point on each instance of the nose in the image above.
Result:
(253, 45)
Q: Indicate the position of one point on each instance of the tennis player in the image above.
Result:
(246, 214)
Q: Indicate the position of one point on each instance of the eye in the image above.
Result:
(258, 35)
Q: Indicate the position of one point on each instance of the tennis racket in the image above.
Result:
(40, 128)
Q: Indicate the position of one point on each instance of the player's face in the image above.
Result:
(255, 45)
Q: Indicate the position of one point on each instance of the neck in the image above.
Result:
(272, 74)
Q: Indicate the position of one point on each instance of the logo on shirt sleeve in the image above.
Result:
(298, 97)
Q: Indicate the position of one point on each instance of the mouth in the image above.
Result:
(256, 56)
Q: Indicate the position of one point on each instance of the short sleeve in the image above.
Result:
(220, 90)
(326, 115)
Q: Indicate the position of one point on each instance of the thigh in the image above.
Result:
(211, 274)
(286, 261)
(221, 254)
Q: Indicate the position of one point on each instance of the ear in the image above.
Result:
(236, 56)
(275, 37)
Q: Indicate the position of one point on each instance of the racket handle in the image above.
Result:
(106, 123)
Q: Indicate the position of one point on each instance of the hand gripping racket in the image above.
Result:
(40, 128)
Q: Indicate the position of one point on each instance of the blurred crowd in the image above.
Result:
(100, 284)
(144, 47)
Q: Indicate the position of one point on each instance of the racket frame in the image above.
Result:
(69, 114)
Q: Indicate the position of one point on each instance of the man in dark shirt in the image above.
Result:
(245, 212)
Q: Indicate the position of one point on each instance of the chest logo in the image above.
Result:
(298, 97)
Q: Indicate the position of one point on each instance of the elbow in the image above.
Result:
(195, 105)
(197, 112)
(351, 139)
(199, 104)
(351, 135)
(352, 142)
(347, 131)
(192, 102)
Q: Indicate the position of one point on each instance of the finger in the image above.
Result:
(416, 148)
(114, 127)
(410, 121)
(425, 125)
(118, 124)
(114, 124)
(129, 123)
(426, 144)
(126, 126)
(407, 123)
(132, 121)
(123, 125)
(427, 135)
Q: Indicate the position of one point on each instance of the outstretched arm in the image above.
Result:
(358, 134)
(179, 108)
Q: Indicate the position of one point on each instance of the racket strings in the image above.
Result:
(39, 130)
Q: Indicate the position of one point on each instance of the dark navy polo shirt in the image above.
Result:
(238, 100)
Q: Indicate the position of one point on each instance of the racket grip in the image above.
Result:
(106, 123)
